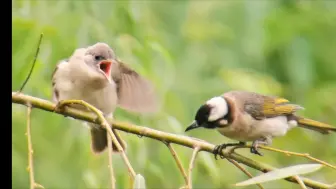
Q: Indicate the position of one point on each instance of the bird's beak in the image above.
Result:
(105, 67)
(193, 125)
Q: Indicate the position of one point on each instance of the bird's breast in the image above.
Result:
(104, 99)
(246, 128)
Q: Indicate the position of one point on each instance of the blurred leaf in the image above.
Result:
(139, 182)
(282, 173)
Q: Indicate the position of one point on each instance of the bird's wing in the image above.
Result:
(135, 93)
(269, 106)
(55, 93)
(78, 54)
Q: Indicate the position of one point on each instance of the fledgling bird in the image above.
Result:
(248, 116)
(94, 74)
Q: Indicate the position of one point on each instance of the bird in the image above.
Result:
(249, 116)
(95, 75)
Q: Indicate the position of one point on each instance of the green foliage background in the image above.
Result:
(191, 50)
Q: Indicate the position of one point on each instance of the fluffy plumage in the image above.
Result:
(106, 87)
(248, 116)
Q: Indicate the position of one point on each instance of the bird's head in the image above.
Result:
(100, 58)
(212, 114)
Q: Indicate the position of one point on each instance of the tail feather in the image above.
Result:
(99, 139)
(315, 125)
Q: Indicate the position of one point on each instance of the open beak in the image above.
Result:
(105, 67)
(193, 125)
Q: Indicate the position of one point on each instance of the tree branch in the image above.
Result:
(109, 148)
(155, 134)
(289, 153)
(178, 162)
(191, 166)
(30, 168)
(302, 185)
(244, 171)
(34, 61)
(104, 123)
(305, 155)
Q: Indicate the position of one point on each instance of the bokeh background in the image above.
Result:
(191, 50)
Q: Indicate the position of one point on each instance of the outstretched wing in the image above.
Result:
(135, 93)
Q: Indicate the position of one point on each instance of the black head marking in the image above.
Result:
(202, 116)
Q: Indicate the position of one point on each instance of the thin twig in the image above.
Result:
(305, 155)
(104, 123)
(191, 165)
(302, 185)
(243, 170)
(109, 148)
(288, 153)
(189, 142)
(178, 162)
(34, 61)
(30, 152)
(30, 168)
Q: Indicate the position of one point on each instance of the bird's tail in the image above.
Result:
(315, 125)
(99, 139)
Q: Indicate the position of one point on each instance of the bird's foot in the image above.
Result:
(59, 106)
(254, 148)
(218, 149)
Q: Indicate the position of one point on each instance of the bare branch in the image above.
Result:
(109, 148)
(106, 125)
(178, 162)
(289, 153)
(30, 151)
(156, 134)
(191, 165)
(305, 155)
(34, 61)
(302, 185)
(30, 168)
(243, 170)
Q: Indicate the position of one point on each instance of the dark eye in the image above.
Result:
(98, 58)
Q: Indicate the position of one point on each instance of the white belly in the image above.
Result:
(249, 129)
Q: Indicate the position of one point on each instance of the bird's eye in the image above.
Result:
(98, 58)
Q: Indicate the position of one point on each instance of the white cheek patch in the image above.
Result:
(219, 108)
(223, 122)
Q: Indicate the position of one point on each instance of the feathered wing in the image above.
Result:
(77, 54)
(267, 107)
(135, 93)
(55, 92)
(262, 106)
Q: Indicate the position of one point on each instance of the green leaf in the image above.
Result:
(139, 182)
(281, 173)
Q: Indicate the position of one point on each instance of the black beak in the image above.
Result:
(193, 125)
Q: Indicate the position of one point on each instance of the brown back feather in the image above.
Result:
(262, 106)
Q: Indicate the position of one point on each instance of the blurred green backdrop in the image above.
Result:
(191, 50)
